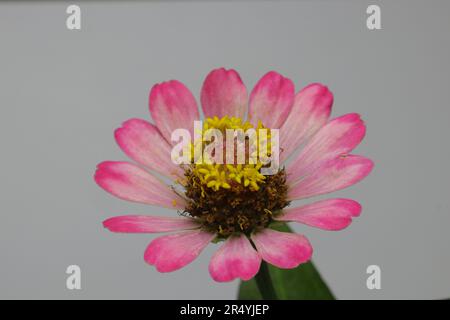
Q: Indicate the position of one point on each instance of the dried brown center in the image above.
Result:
(236, 209)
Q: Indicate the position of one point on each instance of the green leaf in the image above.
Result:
(301, 283)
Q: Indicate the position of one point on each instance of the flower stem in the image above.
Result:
(264, 283)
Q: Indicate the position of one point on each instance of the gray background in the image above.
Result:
(62, 93)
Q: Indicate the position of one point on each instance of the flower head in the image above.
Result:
(236, 203)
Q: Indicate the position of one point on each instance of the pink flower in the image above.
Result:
(236, 204)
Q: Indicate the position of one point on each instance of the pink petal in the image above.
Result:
(339, 136)
(271, 100)
(334, 175)
(235, 259)
(331, 214)
(310, 112)
(148, 224)
(173, 106)
(224, 94)
(142, 142)
(282, 249)
(129, 182)
(172, 252)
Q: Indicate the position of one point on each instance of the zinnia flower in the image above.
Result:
(235, 204)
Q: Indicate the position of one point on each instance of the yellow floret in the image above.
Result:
(216, 176)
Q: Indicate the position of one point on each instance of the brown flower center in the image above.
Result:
(237, 209)
(231, 198)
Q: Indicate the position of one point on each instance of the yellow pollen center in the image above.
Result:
(216, 176)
